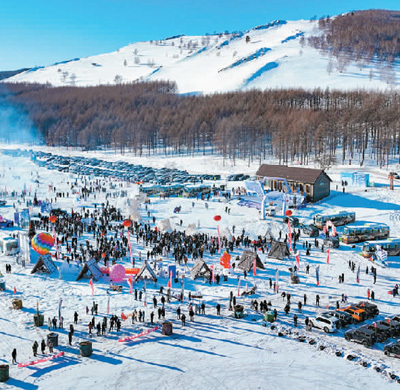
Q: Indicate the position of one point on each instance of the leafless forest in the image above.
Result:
(291, 125)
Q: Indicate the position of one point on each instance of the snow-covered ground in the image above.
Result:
(213, 351)
(268, 56)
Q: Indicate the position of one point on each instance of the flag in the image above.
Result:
(254, 267)
(290, 237)
(358, 274)
(15, 290)
(91, 285)
(317, 275)
(238, 294)
(59, 309)
(219, 240)
(130, 282)
(277, 281)
(327, 255)
(169, 285)
(298, 260)
(129, 246)
(123, 316)
(108, 305)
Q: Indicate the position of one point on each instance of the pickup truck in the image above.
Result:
(392, 349)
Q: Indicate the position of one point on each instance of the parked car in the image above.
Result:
(3, 202)
(325, 322)
(361, 335)
(370, 308)
(310, 230)
(270, 211)
(294, 221)
(382, 333)
(358, 314)
(393, 327)
(392, 349)
(331, 242)
(344, 318)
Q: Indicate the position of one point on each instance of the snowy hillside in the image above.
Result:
(267, 56)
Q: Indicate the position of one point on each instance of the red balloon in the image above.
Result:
(127, 223)
(217, 217)
(53, 219)
(288, 213)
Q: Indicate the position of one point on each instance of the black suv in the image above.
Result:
(382, 332)
(392, 325)
(362, 335)
(392, 349)
(343, 317)
(370, 308)
(310, 230)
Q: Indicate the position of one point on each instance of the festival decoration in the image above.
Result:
(225, 260)
(217, 218)
(43, 360)
(130, 338)
(127, 223)
(42, 243)
(52, 218)
(117, 272)
(288, 213)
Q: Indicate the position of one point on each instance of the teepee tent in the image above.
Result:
(200, 270)
(146, 272)
(278, 250)
(247, 261)
(92, 267)
(44, 264)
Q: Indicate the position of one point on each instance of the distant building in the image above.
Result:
(312, 183)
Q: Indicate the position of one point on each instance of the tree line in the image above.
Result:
(292, 125)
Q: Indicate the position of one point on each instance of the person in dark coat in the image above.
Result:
(14, 356)
(183, 319)
(35, 347)
(218, 309)
(43, 346)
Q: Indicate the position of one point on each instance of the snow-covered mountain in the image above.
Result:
(267, 56)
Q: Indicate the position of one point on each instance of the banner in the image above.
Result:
(277, 281)
(129, 246)
(327, 255)
(290, 236)
(130, 282)
(169, 285)
(91, 285)
(254, 267)
(59, 309)
(358, 274)
(298, 261)
(144, 333)
(46, 359)
(238, 294)
(317, 275)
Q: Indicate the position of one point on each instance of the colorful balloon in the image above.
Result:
(127, 223)
(42, 243)
(288, 213)
(217, 218)
(117, 272)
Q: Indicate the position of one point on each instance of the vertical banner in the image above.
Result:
(238, 293)
(129, 246)
(298, 260)
(169, 285)
(358, 274)
(290, 236)
(277, 281)
(219, 240)
(328, 251)
(130, 282)
(59, 310)
(91, 285)
(254, 267)
(317, 275)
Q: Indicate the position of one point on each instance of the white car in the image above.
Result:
(326, 323)
(270, 211)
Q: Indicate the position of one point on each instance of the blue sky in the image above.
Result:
(41, 32)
